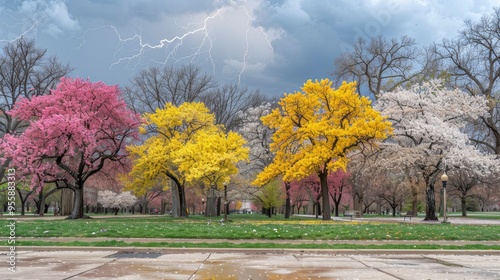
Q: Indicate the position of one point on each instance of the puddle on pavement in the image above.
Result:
(116, 270)
(210, 270)
(229, 271)
(134, 255)
(62, 267)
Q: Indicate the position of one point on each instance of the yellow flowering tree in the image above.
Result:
(316, 129)
(186, 147)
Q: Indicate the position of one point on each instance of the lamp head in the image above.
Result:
(444, 177)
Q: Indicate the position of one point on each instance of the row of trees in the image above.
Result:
(454, 129)
(61, 133)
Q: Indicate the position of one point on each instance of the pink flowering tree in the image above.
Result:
(338, 188)
(78, 130)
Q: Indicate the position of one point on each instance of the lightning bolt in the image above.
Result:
(166, 42)
(173, 46)
(28, 26)
(245, 55)
(266, 38)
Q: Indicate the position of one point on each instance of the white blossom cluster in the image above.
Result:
(258, 137)
(430, 124)
(109, 199)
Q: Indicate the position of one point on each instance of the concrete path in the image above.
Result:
(251, 264)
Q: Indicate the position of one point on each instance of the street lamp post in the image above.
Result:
(203, 206)
(444, 179)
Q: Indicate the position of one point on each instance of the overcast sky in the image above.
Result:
(274, 46)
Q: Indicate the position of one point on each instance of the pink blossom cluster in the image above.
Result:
(72, 132)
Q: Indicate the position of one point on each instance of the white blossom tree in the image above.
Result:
(258, 137)
(429, 123)
(109, 199)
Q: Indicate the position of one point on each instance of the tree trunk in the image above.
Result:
(414, 192)
(175, 202)
(41, 204)
(287, 200)
(325, 196)
(162, 208)
(430, 209)
(22, 201)
(211, 208)
(77, 212)
(336, 201)
(218, 204)
(414, 202)
(66, 202)
(226, 204)
(183, 204)
(318, 209)
(337, 209)
(357, 200)
(463, 200)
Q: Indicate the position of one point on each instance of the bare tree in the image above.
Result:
(228, 100)
(379, 65)
(488, 193)
(461, 184)
(153, 88)
(473, 62)
(363, 167)
(25, 71)
(392, 188)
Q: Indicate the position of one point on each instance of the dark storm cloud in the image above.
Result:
(315, 32)
(270, 45)
(121, 12)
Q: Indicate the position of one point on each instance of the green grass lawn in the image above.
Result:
(249, 228)
(476, 215)
(470, 215)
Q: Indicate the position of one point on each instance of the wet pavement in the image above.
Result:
(94, 263)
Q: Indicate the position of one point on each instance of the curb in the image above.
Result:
(24, 249)
(256, 241)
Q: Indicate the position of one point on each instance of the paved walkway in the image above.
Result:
(251, 264)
